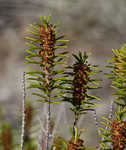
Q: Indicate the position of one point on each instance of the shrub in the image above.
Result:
(52, 80)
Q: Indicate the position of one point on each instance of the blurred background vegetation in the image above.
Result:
(94, 26)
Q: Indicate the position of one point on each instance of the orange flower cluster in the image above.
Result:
(48, 41)
(119, 134)
(6, 139)
(72, 146)
(80, 81)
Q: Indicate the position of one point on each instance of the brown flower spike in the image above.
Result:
(80, 81)
(119, 134)
(47, 38)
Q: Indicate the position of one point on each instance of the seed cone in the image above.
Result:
(119, 135)
(80, 81)
(72, 146)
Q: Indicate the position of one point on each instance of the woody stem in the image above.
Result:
(75, 121)
(48, 124)
(47, 71)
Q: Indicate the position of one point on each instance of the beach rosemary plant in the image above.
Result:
(115, 134)
(45, 52)
(49, 83)
(79, 81)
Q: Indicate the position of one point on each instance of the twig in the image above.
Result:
(111, 109)
(96, 121)
(23, 113)
(96, 124)
(110, 117)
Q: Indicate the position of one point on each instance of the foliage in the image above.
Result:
(115, 134)
(52, 85)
